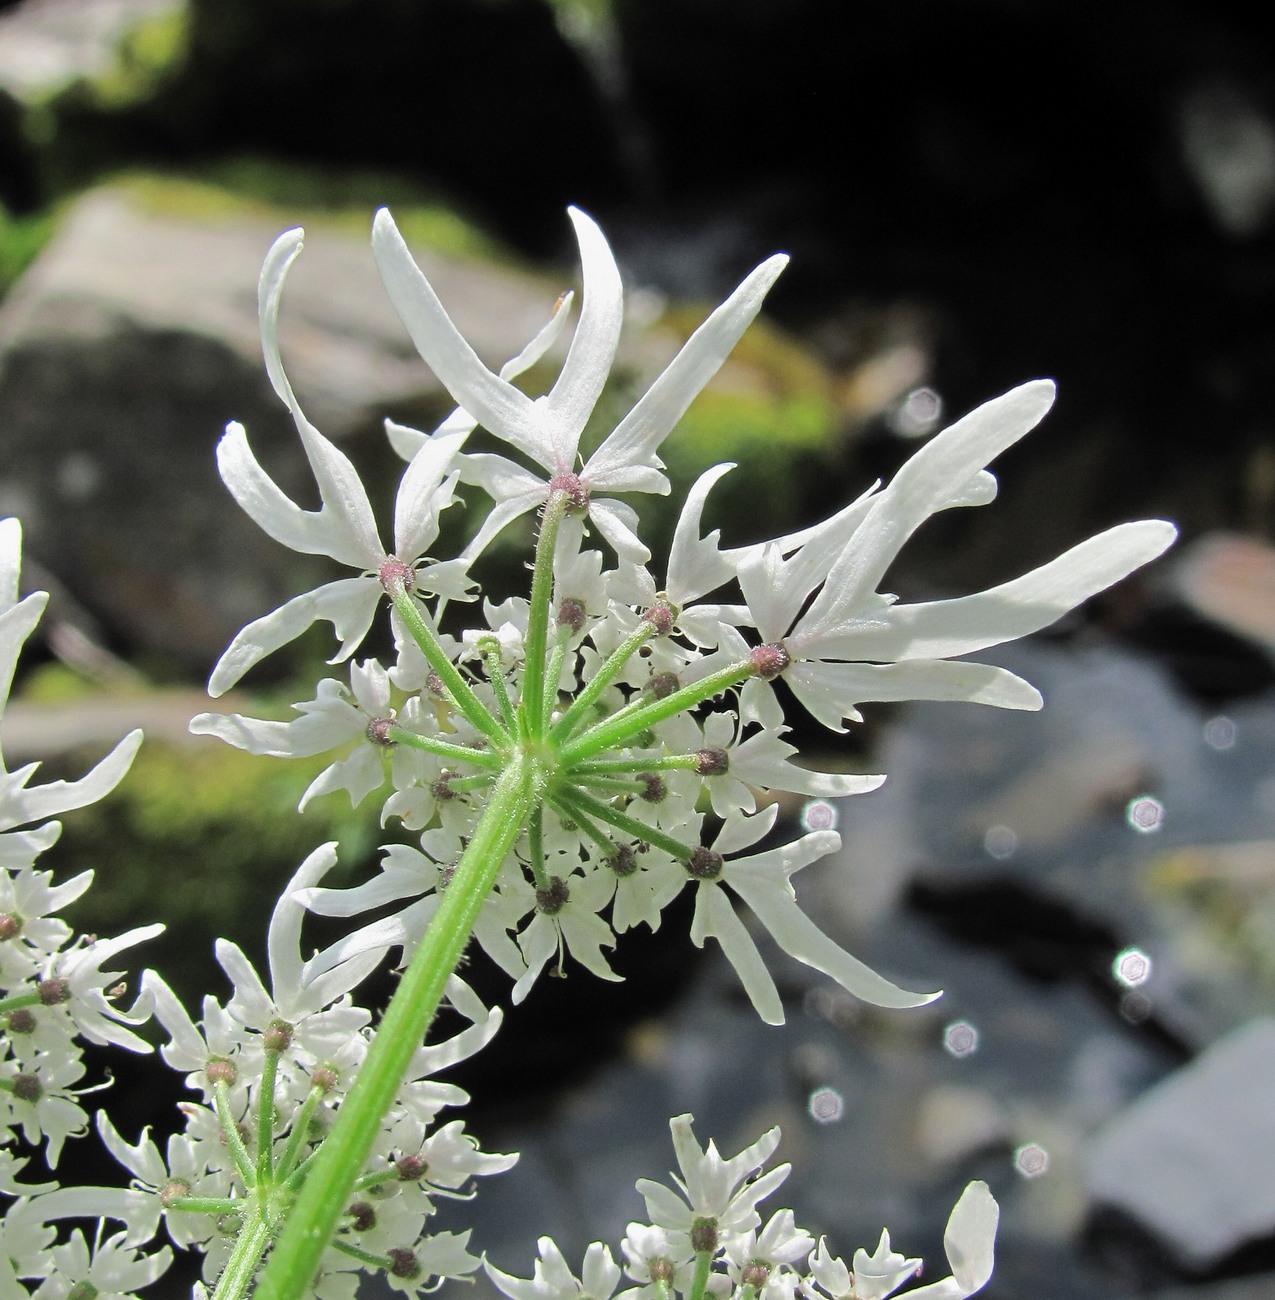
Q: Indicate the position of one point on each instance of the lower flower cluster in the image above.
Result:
(705, 1236)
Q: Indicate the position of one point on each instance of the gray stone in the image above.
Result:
(48, 44)
(1193, 1159)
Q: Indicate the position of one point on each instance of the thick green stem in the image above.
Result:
(615, 730)
(536, 641)
(265, 1118)
(318, 1209)
(457, 687)
(250, 1247)
(699, 1283)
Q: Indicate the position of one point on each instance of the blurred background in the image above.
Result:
(973, 194)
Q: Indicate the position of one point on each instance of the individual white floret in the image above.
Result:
(969, 1241)
(547, 429)
(111, 1267)
(722, 1192)
(86, 997)
(553, 1279)
(344, 527)
(840, 642)
(763, 882)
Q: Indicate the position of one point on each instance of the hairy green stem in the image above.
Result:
(596, 684)
(250, 1246)
(443, 748)
(536, 641)
(318, 1209)
(457, 687)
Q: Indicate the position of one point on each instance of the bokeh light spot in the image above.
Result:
(960, 1038)
(819, 816)
(1145, 814)
(826, 1105)
(1000, 842)
(1131, 967)
(1220, 732)
(1031, 1160)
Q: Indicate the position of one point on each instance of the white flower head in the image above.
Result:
(718, 1196)
(547, 430)
(839, 642)
(343, 527)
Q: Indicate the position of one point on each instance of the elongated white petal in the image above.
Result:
(252, 1003)
(314, 732)
(19, 804)
(422, 496)
(570, 402)
(16, 625)
(937, 629)
(283, 941)
(346, 509)
(636, 439)
(358, 775)
(10, 562)
(924, 485)
(349, 604)
(970, 1243)
(715, 917)
(830, 691)
(265, 503)
(762, 760)
(617, 522)
(495, 403)
(498, 518)
(696, 564)
(801, 938)
(407, 441)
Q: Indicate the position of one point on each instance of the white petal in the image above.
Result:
(570, 402)
(345, 505)
(496, 404)
(937, 629)
(830, 691)
(16, 625)
(696, 564)
(10, 562)
(261, 499)
(799, 937)
(349, 604)
(636, 439)
(18, 804)
(924, 485)
(422, 496)
(617, 523)
(970, 1242)
(715, 916)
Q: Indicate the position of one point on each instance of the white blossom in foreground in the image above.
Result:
(706, 1238)
(551, 755)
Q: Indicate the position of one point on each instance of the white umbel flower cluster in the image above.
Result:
(57, 991)
(706, 1237)
(635, 701)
